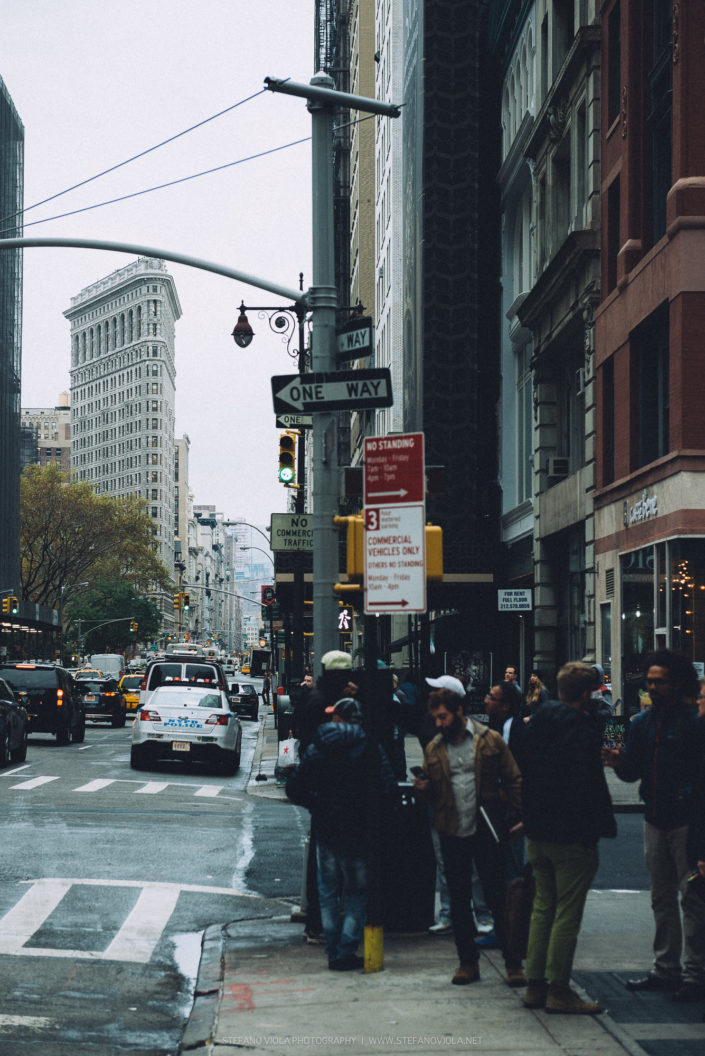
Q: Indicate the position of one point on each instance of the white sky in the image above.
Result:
(96, 81)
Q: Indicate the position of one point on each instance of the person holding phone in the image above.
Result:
(465, 766)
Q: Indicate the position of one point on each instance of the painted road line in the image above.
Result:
(17, 770)
(144, 925)
(151, 788)
(26, 916)
(29, 1022)
(96, 785)
(209, 791)
(35, 782)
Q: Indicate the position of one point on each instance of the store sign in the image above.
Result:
(642, 510)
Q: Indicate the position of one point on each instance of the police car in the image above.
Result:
(189, 723)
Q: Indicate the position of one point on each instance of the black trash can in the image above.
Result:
(408, 866)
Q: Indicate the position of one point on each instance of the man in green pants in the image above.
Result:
(567, 808)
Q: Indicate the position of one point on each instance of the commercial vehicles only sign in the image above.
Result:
(290, 532)
(395, 559)
(394, 482)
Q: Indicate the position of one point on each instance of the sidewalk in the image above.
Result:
(262, 989)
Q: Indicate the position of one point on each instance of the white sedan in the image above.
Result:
(187, 722)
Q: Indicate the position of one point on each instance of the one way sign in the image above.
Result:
(334, 391)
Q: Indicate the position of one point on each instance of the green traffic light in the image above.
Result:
(286, 474)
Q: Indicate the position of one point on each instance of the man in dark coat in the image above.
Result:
(567, 808)
(663, 752)
(332, 781)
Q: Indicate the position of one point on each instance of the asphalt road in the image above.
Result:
(107, 879)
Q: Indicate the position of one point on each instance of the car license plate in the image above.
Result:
(180, 746)
(89, 696)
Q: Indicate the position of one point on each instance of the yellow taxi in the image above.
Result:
(245, 669)
(130, 688)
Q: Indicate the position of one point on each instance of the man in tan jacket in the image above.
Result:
(474, 785)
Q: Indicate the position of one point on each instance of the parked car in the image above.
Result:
(51, 698)
(181, 669)
(130, 689)
(190, 722)
(14, 727)
(244, 699)
(103, 701)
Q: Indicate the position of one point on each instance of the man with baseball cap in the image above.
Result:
(331, 781)
(465, 766)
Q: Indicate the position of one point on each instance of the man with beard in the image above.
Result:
(465, 766)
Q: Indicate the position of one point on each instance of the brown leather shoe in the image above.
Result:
(466, 973)
(561, 998)
(536, 991)
(515, 975)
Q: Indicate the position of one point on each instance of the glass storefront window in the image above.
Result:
(637, 621)
(687, 575)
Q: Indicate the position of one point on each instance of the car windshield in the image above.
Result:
(186, 698)
(30, 677)
(248, 691)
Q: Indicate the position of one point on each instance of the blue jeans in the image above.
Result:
(342, 892)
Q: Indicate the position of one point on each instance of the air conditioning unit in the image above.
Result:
(558, 467)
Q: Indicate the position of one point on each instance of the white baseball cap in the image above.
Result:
(448, 682)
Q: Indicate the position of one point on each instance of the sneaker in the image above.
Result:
(465, 974)
(561, 998)
(488, 941)
(440, 928)
(536, 991)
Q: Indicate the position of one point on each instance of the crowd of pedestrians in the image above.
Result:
(527, 786)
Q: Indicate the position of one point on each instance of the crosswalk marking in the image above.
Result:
(29, 1022)
(26, 916)
(96, 784)
(146, 921)
(209, 791)
(134, 941)
(35, 782)
(152, 787)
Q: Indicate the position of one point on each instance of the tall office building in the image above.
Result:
(52, 432)
(122, 389)
(11, 203)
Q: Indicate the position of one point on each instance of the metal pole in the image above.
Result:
(297, 667)
(325, 427)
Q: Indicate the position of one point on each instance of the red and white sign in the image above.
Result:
(395, 516)
(395, 559)
(394, 470)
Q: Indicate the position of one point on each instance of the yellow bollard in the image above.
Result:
(374, 948)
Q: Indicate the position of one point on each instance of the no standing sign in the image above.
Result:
(395, 516)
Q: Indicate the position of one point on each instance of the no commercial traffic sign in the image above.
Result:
(332, 391)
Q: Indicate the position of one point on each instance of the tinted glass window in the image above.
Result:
(31, 677)
(131, 682)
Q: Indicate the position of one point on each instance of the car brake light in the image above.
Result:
(143, 683)
(59, 697)
(149, 716)
(217, 720)
(26, 667)
(109, 693)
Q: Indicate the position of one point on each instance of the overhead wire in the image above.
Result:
(168, 183)
(135, 157)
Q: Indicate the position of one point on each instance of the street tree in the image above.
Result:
(100, 619)
(69, 535)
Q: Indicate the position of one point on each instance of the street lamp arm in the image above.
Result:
(234, 524)
(162, 254)
(321, 94)
(269, 556)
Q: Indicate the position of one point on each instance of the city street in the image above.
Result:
(107, 880)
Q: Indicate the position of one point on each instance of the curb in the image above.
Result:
(200, 1026)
